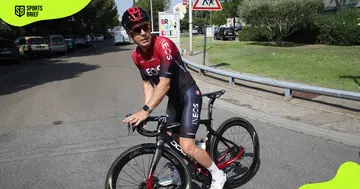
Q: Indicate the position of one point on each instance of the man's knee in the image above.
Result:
(188, 146)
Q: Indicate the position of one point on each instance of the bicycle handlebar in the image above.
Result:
(140, 128)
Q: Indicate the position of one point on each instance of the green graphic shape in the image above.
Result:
(347, 177)
(23, 12)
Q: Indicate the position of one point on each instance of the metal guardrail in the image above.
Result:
(287, 86)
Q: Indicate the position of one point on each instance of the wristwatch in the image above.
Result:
(147, 109)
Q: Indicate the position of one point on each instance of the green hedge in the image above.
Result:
(249, 33)
(341, 28)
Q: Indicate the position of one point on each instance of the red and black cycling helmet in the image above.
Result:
(133, 15)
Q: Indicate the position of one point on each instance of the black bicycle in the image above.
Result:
(226, 160)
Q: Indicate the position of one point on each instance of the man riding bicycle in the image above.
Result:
(163, 73)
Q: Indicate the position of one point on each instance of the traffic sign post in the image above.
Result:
(206, 5)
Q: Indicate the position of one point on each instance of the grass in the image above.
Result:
(320, 65)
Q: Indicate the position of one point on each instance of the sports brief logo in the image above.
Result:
(30, 10)
(19, 10)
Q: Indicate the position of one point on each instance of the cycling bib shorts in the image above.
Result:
(186, 111)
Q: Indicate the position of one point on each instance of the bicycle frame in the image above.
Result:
(164, 137)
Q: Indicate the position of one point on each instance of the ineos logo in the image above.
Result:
(167, 50)
(195, 114)
(152, 71)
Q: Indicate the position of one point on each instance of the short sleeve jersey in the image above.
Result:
(163, 60)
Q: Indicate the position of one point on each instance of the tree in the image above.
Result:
(157, 5)
(230, 8)
(218, 18)
(280, 17)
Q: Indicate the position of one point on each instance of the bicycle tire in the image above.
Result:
(147, 148)
(237, 121)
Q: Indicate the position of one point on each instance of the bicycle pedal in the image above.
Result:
(206, 184)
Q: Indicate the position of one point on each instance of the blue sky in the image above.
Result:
(122, 5)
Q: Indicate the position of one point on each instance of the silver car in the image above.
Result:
(57, 43)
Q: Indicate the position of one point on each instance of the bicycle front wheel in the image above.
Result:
(130, 169)
(242, 169)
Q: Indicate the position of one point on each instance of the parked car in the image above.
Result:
(57, 44)
(99, 37)
(70, 41)
(32, 46)
(9, 53)
(225, 33)
(80, 41)
(120, 38)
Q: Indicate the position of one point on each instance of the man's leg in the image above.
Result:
(189, 126)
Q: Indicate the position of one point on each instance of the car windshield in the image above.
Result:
(57, 39)
(229, 30)
(38, 41)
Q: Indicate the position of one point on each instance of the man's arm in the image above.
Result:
(148, 91)
(167, 52)
(159, 93)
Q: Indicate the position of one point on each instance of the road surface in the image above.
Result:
(61, 127)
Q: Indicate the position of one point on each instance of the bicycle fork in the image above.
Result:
(156, 158)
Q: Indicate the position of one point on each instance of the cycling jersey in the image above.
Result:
(163, 59)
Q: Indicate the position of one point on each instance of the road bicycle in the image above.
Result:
(176, 156)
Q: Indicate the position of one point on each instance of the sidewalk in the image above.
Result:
(328, 117)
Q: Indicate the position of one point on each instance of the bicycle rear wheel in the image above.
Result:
(229, 126)
(146, 149)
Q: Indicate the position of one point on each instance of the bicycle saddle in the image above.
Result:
(215, 94)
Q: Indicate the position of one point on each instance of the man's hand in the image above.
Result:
(137, 118)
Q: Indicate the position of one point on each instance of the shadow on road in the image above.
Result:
(41, 73)
(100, 49)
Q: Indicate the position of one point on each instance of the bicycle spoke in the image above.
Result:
(134, 169)
(143, 166)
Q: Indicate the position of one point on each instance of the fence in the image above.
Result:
(287, 86)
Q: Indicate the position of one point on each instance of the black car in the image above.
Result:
(225, 33)
(9, 53)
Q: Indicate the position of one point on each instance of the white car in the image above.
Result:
(120, 38)
(99, 37)
(57, 43)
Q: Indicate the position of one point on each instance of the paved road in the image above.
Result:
(61, 127)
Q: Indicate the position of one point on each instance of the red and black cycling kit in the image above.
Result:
(163, 59)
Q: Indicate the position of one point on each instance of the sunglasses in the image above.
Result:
(137, 29)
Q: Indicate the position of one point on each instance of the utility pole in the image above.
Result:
(190, 29)
(152, 17)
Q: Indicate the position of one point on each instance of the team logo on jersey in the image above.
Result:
(152, 71)
(165, 45)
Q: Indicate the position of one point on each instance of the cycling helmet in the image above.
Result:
(134, 14)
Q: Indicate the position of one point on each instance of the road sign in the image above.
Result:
(209, 5)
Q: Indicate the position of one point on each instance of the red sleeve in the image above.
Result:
(167, 52)
(142, 72)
